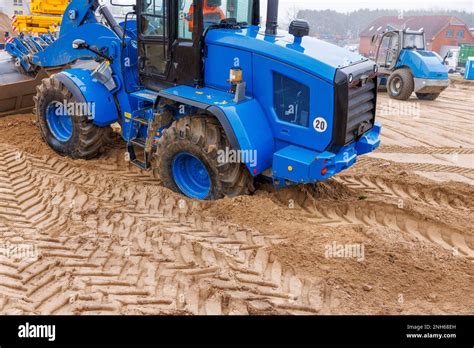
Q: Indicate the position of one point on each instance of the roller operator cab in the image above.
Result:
(405, 66)
(206, 98)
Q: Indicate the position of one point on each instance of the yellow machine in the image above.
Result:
(45, 16)
(49, 7)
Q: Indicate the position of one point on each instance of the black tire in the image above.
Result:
(87, 140)
(427, 96)
(203, 137)
(400, 84)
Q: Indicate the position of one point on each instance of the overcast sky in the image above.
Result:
(351, 5)
(347, 5)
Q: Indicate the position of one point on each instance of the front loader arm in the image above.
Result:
(77, 14)
(61, 51)
(79, 22)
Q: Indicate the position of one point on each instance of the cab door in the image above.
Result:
(153, 38)
(169, 42)
(388, 51)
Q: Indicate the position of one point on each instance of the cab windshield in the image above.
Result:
(214, 11)
(414, 41)
(241, 10)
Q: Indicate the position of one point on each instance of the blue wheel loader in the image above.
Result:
(405, 66)
(207, 99)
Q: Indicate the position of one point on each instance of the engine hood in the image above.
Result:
(424, 64)
(314, 56)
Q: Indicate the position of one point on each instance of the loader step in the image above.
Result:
(146, 95)
(141, 120)
(140, 164)
(146, 163)
(138, 142)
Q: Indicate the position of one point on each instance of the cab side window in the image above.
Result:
(153, 20)
(185, 18)
(291, 100)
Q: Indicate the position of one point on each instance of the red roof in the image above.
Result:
(431, 25)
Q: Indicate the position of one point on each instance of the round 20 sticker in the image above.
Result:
(320, 125)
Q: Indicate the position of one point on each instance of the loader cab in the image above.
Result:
(170, 36)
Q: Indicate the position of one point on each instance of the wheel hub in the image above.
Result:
(59, 121)
(396, 85)
(191, 176)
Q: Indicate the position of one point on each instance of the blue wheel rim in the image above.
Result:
(59, 121)
(191, 176)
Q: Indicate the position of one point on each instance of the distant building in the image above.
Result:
(9, 8)
(441, 32)
(12, 7)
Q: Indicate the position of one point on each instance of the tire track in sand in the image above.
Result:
(381, 214)
(366, 162)
(425, 150)
(431, 194)
(104, 245)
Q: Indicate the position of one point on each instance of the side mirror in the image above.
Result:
(79, 43)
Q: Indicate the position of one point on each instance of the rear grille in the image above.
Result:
(361, 109)
(354, 103)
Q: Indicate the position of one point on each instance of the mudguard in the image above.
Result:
(244, 123)
(89, 90)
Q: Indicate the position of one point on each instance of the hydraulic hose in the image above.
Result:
(104, 11)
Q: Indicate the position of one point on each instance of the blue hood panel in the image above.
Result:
(423, 64)
(312, 55)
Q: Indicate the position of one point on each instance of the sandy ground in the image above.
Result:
(394, 234)
(435, 139)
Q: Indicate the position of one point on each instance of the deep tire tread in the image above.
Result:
(203, 136)
(408, 84)
(88, 140)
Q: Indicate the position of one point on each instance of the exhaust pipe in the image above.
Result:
(272, 18)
